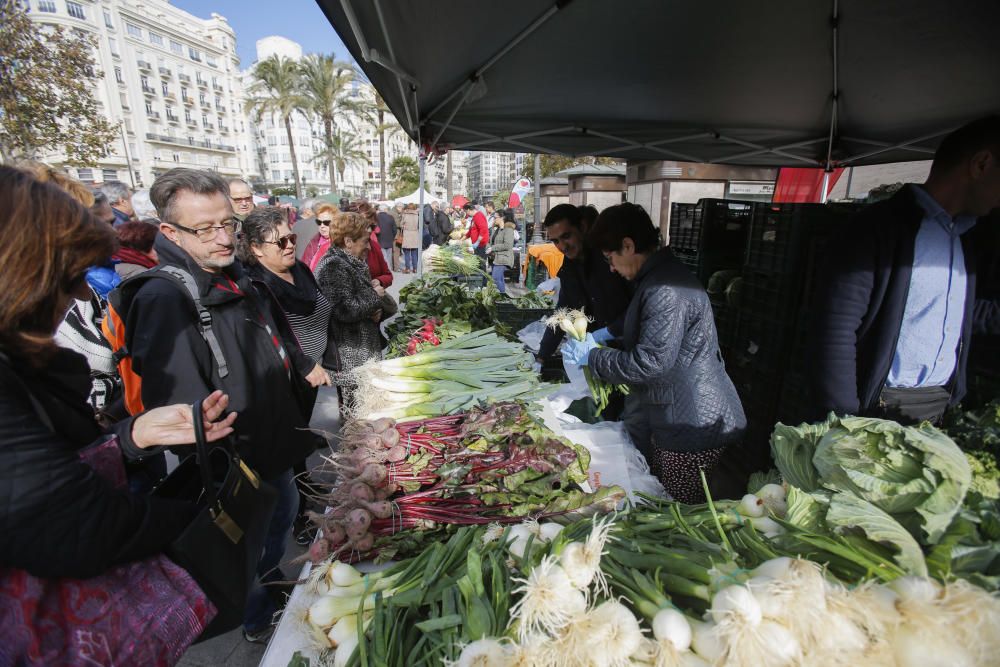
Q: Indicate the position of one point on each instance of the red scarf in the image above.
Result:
(132, 256)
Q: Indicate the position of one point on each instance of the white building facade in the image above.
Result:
(490, 172)
(170, 80)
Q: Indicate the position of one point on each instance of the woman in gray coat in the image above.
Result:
(683, 410)
(503, 257)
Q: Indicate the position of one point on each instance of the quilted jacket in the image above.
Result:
(670, 359)
(58, 518)
(346, 283)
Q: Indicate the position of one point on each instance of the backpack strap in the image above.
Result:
(204, 316)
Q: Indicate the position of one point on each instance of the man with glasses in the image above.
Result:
(181, 357)
(241, 197)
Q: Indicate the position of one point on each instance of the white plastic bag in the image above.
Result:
(550, 285)
(531, 335)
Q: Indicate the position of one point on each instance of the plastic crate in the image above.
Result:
(781, 234)
(711, 235)
(518, 318)
(726, 321)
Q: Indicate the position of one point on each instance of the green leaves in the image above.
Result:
(849, 512)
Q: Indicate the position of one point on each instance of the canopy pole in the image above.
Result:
(536, 232)
(825, 186)
(835, 98)
(420, 215)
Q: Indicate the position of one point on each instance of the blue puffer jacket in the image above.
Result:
(103, 279)
(682, 399)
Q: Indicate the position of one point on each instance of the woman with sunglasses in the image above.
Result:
(321, 242)
(267, 250)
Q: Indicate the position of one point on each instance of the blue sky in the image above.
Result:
(298, 20)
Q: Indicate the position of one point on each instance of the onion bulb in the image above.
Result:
(548, 599)
(549, 531)
(751, 506)
(736, 604)
(484, 652)
(343, 630)
(345, 651)
(672, 626)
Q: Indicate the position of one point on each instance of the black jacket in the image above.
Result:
(860, 304)
(588, 282)
(440, 227)
(671, 361)
(58, 518)
(176, 364)
(386, 229)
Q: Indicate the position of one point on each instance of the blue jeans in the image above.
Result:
(410, 258)
(260, 608)
(498, 271)
(387, 253)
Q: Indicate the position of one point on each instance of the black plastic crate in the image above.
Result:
(518, 318)
(711, 235)
(781, 234)
(774, 296)
(726, 322)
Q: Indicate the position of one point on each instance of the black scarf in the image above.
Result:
(296, 299)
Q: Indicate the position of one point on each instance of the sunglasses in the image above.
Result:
(284, 241)
(243, 200)
(322, 223)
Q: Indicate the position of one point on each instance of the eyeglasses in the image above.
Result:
(285, 241)
(243, 200)
(322, 223)
(208, 233)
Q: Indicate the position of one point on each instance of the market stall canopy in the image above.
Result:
(414, 198)
(765, 82)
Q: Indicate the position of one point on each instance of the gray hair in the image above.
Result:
(166, 187)
(115, 191)
(239, 180)
(143, 206)
(100, 199)
(258, 228)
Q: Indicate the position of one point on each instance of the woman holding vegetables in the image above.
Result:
(683, 410)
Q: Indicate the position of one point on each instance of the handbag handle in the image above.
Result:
(201, 451)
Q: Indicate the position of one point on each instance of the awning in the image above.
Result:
(801, 83)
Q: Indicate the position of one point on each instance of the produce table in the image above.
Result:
(615, 461)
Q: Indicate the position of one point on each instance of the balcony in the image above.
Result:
(184, 77)
(181, 141)
(187, 100)
(202, 83)
(143, 65)
(192, 122)
(171, 118)
(217, 87)
(224, 129)
(125, 106)
(165, 72)
(149, 90)
(205, 104)
(153, 115)
(169, 94)
(220, 108)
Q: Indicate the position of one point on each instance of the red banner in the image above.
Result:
(802, 185)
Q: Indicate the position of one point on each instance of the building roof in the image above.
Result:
(594, 170)
(554, 180)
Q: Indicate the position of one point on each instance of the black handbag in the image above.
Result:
(222, 545)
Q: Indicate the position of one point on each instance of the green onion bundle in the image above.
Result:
(456, 375)
(453, 260)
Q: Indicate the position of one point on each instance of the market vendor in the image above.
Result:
(587, 282)
(682, 410)
(893, 336)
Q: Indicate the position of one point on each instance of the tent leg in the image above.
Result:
(420, 217)
(823, 188)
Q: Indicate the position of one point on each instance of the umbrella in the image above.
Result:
(776, 83)
(287, 199)
(458, 201)
(259, 201)
(331, 197)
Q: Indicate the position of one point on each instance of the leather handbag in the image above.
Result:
(221, 547)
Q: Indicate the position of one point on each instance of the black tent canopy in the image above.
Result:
(810, 83)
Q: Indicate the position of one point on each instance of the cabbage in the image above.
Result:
(915, 474)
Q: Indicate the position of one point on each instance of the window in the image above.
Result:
(113, 44)
(275, 175)
(118, 75)
(165, 88)
(188, 117)
(177, 48)
(288, 173)
(303, 141)
(194, 53)
(149, 108)
(75, 9)
(177, 157)
(144, 80)
(47, 6)
(107, 20)
(202, 99)
(155, 39)
(306, 175)
(132, 150)
(272, 141)
(109, 174)
(283, 140)
(204, 119)
(275, 159)
(211, 61)
(133, 30)
(85, 174)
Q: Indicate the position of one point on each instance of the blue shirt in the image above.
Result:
(927, 350)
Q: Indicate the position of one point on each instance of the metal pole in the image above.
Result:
(823, 188)
(536, 236)
(420, 217)
(128, 159)
(850, 176)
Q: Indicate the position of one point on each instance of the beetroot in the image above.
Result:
(396, 454)
(361, 491)
(365, 543)
(319, 551)
(381, 509)
(390, 438)
(358, 522)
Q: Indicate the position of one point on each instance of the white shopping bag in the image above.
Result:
(531, 335)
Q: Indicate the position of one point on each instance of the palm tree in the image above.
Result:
(326, 85)
(276, 90)
(342, 150)
(377, 112)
